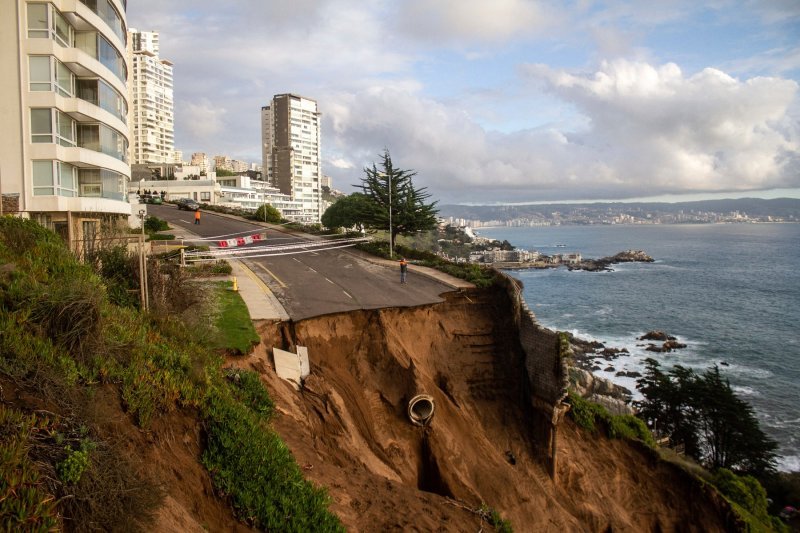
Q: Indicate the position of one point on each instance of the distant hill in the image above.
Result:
(754, 207)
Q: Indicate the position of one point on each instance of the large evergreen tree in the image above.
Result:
(393, 187)
(702, 414)
(347, 212)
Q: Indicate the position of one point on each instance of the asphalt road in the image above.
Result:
(316, 282)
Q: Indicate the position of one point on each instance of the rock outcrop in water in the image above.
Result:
(604, 264)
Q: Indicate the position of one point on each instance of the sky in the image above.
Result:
(503, 100)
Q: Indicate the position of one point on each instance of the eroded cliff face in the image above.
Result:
(348, 429)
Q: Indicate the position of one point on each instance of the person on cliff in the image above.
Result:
(197, 216)
(403, 270)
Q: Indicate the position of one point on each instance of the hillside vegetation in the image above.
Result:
(86, 384)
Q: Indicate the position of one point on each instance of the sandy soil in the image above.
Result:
(348, 429)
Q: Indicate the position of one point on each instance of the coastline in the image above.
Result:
(684, 292)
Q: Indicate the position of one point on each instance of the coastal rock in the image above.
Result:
(597, 389)
(614, 406)
(631, 374)
(656, 335)
(630, 256)
(673, 345)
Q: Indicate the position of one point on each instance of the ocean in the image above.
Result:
(731, 292)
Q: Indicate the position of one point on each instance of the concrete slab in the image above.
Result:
(305, 366)
(287, 366)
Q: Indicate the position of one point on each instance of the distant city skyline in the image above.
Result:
(507, 101)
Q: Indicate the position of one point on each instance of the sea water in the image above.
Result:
(731, 292)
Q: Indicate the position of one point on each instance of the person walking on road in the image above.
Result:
(403, 270)
(197, 216)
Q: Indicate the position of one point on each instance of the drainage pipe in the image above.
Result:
(420, 409)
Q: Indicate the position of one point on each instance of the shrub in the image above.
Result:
(249, 463)
(249, 390)
(25, 504)
(155, 224)
(589, 414)
(72, 467)
(69, 313)
(267, 213)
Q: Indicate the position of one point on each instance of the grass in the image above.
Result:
(234, 329)
(61, 337)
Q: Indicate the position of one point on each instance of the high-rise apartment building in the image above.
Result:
(64, 109)
(151, 99)
(200, 159)
(290, 134)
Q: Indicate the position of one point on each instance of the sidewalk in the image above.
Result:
(261, 302)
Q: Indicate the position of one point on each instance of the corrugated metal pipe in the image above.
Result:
(420, 409)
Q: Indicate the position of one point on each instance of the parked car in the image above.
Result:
(188, 204)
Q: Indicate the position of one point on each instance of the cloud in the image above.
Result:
(438, 83)
(458, 21)
(649, 130)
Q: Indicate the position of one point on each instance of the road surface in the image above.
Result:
(317, 282)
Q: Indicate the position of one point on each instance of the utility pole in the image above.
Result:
(142, 267)
(391, 237)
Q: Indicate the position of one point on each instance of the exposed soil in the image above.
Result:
(349, 431)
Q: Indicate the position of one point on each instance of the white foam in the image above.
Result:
(789, 463)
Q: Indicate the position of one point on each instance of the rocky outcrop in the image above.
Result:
(599, 390)
(670, 342)
(604, 264)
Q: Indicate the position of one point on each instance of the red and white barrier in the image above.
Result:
(241, 241)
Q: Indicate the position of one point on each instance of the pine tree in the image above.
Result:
(393, 187)
(704, 415)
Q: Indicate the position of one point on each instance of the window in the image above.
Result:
(101, 183)
(54, 178)
(104, 96)
(43, 178)
(41, 125)
(205, 196)
(101, 138)
(52, 126)
(45, 21)
(99, 48)
(49, 74)
(105, 10)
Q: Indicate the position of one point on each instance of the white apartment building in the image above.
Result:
(64, 109)
(290, 133)
(152, 105)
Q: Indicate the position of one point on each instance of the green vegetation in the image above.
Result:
(493, 518)
(387, 195)
(155, 224)
(25, 502)
(480, 276)
(591, 416)
(234, 329)
(704, 415)
(749, 500)
(63, 339)
(267, 213)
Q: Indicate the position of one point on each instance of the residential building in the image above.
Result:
(177, 157)
(151, 98)
(222, 162)
(200, 159)
(64, 109)
(291, 151)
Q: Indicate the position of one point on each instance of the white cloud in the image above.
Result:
(650, 130)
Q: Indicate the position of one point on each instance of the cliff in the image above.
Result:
(497, 439)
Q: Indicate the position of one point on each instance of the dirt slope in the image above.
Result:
(348, 429)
